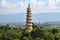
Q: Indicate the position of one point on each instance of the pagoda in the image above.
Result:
(29, 19)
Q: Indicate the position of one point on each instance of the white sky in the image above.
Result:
(37, 6)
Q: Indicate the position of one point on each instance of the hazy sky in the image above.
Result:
(42, 10)
(19, 6)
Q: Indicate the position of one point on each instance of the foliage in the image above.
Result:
(12, 33)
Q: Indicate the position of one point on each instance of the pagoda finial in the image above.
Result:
(28, 5)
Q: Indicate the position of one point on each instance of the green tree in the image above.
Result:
(57, 36)
(37, 38)
(34, 26)
(54, 30)
(50, 36)
(41, 33)
(25, 38)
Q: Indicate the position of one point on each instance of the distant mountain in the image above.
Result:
(38, 17)
(12, 17)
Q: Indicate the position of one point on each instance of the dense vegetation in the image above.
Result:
(38, 33)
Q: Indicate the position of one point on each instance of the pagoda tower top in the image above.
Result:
(28, 5)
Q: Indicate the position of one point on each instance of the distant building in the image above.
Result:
(29, 19)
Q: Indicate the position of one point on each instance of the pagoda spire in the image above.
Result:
(28, 5)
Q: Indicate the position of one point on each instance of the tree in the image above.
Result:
(54, 31)
(25, 38)
(41, 33)
(50, 36)
(57, 36)
(37, 38)
(34, 26)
